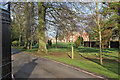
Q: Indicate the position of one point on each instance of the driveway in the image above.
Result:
(25, 65)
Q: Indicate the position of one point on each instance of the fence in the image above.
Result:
(113, 44)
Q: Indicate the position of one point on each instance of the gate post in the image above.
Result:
(5, 45)
(0, 43)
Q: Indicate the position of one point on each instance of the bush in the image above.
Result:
(36, 45)
(50, 43)
(82, 40)
(78, 42)
(15, 43)
(22, 43)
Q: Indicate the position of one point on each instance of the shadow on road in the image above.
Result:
(26, 70)
(14, 51)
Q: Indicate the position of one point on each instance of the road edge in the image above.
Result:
(77, 68)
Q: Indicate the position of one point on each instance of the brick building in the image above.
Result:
(73, 37)
(76, 34)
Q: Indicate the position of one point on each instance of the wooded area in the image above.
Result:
(29, 22)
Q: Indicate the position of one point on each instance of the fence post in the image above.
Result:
(109, 44)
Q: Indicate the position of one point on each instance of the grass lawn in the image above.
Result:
(85, 58)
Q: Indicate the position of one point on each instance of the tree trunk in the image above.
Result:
(28, 47)
(31, 44)
(56, 42)
(72, 52)
(100, 41)
(26, 24)
(56, 37)
(83, 43)
(103, 46)
(32, 21)
(90, 44)
(37, 41)
(119, 40)
(90, 40)
(119, 28)
(100, 46)
(19, 39)
(25, 45)
(72, 48)
(42, 44)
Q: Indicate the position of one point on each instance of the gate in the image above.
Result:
(5, 44)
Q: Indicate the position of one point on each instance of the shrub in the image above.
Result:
(36, 45)
(15, 43)
(22, 43)
(82, 40)
(50, 43)
(78, 41)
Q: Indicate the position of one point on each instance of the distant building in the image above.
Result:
(85, 36)
(76, 34)
(53, 40)
(71, 37)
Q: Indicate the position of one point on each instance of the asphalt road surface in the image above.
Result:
(25, 65)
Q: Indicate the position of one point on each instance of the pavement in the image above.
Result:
(25, 65)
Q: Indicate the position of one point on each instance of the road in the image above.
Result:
(25, 65)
